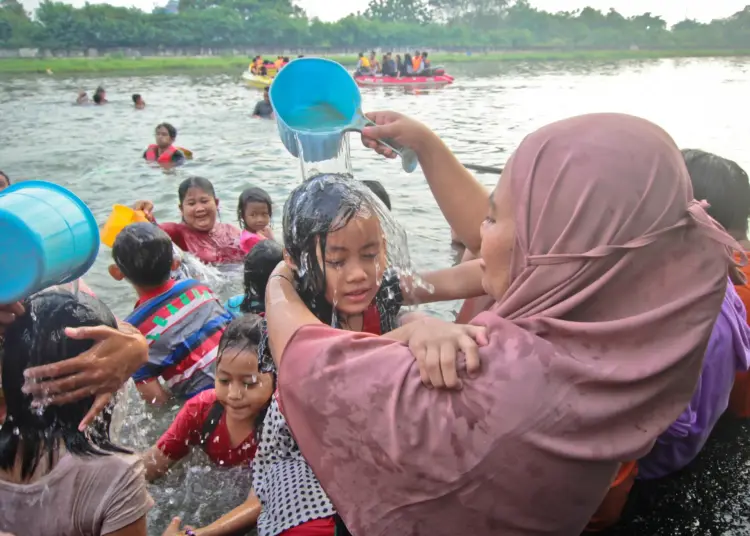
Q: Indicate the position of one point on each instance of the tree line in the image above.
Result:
(396, 24)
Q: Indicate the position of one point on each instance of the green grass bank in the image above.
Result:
(237, 63)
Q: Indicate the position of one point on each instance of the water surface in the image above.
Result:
(96, 152)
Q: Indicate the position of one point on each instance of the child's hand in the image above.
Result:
(147, 207)
(174, 529)
(267, 232)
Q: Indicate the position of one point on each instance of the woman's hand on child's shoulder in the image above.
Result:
(436, 345)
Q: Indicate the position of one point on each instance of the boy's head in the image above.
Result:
(165, 135)
(143, 255)
(725, 185)
(138, 100)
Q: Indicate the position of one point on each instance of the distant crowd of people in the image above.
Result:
(417, 65)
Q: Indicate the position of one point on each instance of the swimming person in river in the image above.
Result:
(138, 102)
(259, 264)
(183, 320)
(200, 232)
(254, 212)
(263, 108)
(4, 181)
(164, 152)
(224, 421)
(595, 341)
(55, 478)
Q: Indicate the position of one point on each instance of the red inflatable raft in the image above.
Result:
(424, 81)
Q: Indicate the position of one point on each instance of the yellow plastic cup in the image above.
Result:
(120, 218)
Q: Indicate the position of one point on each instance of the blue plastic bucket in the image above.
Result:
(315, 101)
(47, 237)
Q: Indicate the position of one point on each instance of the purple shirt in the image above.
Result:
(728, 352)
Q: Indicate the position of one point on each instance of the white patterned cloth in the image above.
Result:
(283, 481)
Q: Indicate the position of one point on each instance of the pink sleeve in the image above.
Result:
(396, 457)
(248, 240)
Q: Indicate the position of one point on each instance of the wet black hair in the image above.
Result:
(98, 98)
(7, 179)
(249, 332)
(378, 189)
(143, 253)
(724, 184)
(259, 264)
(195, 182)
(252, 195)
(38, 338)
(136, 97)
(321, 205)
(170, 129)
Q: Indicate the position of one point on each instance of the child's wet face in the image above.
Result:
(257, 216)
(240, 387)
(199, 209)
(354, 264)
(163, 139)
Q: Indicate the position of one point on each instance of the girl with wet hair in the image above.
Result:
(54, 478)
(200, 232)
(259, 264)
(226, 422)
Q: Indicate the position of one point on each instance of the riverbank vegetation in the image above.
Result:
(460, 25)
(238, 63)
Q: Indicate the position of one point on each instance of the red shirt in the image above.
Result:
(153, 293)
(220, 245)
(186, 430)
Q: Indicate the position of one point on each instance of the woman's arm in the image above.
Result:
(456, 283)
(238, 521)
(156, 462)
(445, 175)
(285, 311)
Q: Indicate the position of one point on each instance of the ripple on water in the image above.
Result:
(96, 151)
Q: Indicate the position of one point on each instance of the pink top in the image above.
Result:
(617, 277)
(248, 240)
(220, 245)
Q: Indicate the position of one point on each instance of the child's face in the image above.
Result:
(256, 216)
(163, 139)
(241, 389)
(354, 264)
(199, 210)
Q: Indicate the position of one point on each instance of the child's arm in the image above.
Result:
(152, 392)
(157, 463)
(457, 283)
(238, 521)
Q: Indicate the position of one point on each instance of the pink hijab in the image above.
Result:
(617, 278)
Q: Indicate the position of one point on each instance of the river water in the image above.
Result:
(96, 152)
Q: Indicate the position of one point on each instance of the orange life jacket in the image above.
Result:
(164, 158)
(415, 63)
(278, 64)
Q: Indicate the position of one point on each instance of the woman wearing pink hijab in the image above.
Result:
(607, 278)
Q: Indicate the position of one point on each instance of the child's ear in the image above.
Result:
(115, 272)
(176, 263)
(289, 262)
